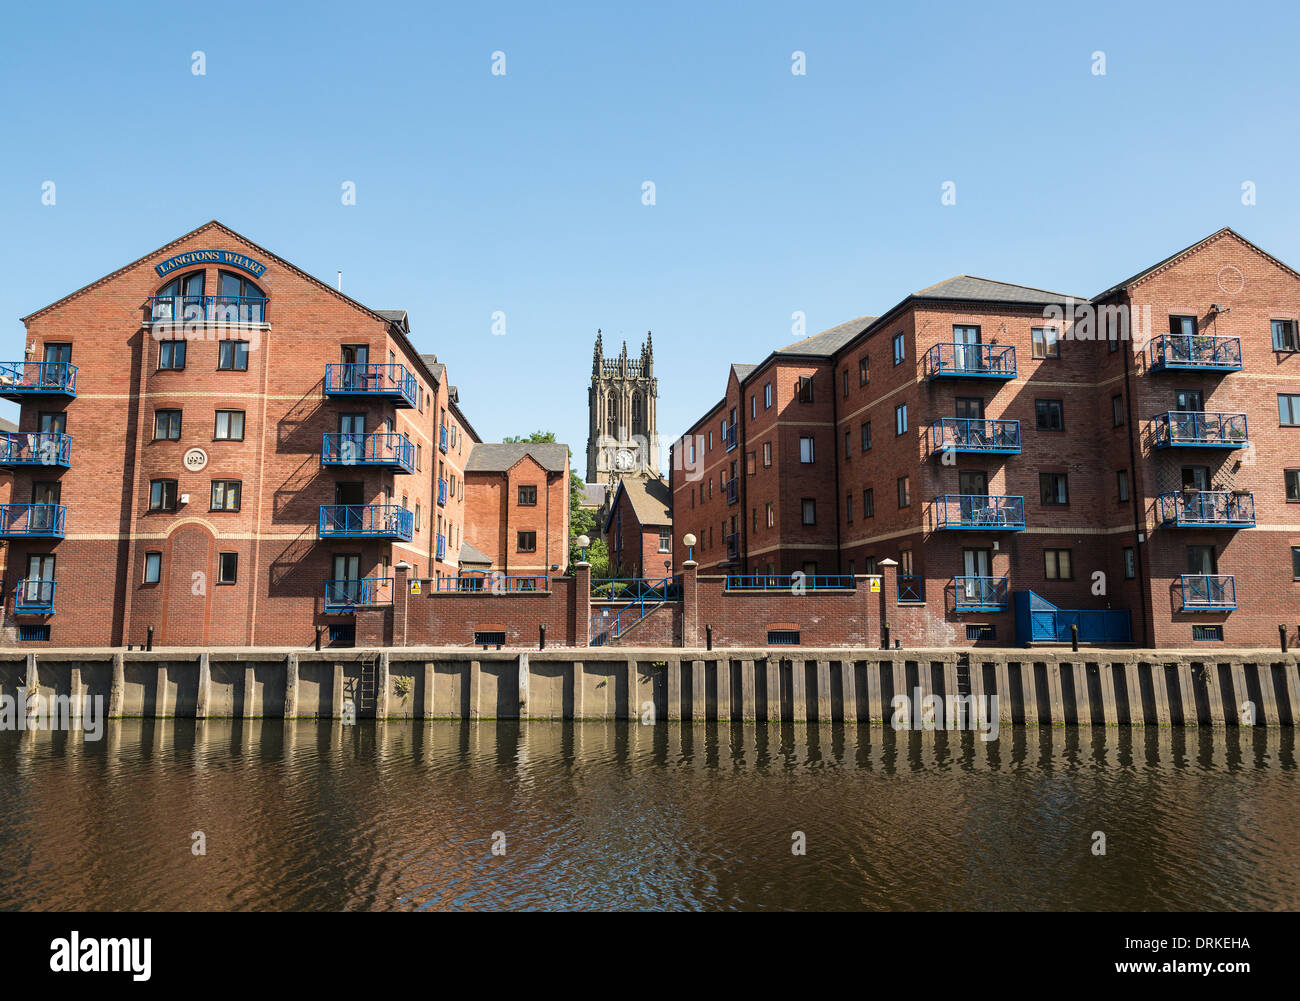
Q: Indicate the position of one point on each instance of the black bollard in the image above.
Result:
(708, 637)
(1281, 631)
(884, 645)
(318, 631)
(149, 639)
(1074, 636)
(541, 637)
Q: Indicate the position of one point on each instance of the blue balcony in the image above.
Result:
(971, 361)
(197, 310)
(1195, 429)
(732, 487)
(729, 438)
(362, 592)
(442, 438)
(32, 521)
(1194, 353)
(969, 434)
(380, 448)
(442, 493)
(377, 380)
(785, 582)
(34, 597)
(911, 587)
(1213, 592)
(35, 448)
(1207, 509)
(441, 548)
(980, 594)
(980, 512)
(366, 521)
(22, 379)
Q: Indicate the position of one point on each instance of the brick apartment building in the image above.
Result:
(639, 529)
(219, 446)
(517, 506)
(1025, 455)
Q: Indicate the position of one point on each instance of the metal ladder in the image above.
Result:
(369, 686)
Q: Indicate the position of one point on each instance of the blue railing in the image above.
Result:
(1213, 592)
(33, 378)
(379, 448)
(352, 521)
(35, 448)
(207, 309)
(971, 434)
(442, 438)
(974, 361)
(344, 595)
(34, 596)
(387, 379)
(733, 490)
(442, 492)
(23, 521)
(786, 582)
(440, 550)
(911, 587)
(634, 588)
(1194, 351)
(980, 594)
(1193, 428)
(1207, 509)
(1039, 621)
(643, 597)
(497, 583)
(979, 511)
(729, 437)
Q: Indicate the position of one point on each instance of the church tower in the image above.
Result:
(622, 436)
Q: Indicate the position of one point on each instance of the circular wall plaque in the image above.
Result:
(195, 459)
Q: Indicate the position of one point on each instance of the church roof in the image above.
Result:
(497, 457)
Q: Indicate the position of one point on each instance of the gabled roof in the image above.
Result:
(968, 288)
(1173, 259)
(397, 316)
(471, 556)
(436, 367)
(828, 341)
(498, 457)
(651, 501)
(593, 494)
(740, 371)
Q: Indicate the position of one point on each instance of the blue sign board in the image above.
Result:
(225, 257)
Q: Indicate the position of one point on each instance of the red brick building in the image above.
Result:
(220, 447)
(639, 529)
(1026, 456)
(517, 506)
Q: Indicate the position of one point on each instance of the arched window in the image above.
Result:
(240, 300)
(611, 416)
(638, 418)
(172, 298)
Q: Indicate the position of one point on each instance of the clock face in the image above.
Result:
(624, 459)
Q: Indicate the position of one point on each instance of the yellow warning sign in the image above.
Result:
(875, 583)
(415, 587)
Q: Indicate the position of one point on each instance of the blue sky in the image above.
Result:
(522, 193)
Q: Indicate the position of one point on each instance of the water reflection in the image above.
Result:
(382, 815)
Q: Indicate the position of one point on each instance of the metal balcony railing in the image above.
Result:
(788, 582)
(442, 492)
(442, 438)
(348, 594)
(360, 521)
(34, 596)
(971, 361)
(733, 490)
(19, 379)
(389, 380)
(970, 434)
(186, 309)
(1207, 509)
(1197, 429)
(35, 448)
(979, 511)
(496, 583)
(911, 587)
(379, 448)
(1197, 352)
(980, 594)
(27, 521)
(1209, 592)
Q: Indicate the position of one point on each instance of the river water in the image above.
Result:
(406, 816)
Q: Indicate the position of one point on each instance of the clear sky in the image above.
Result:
(523, 193)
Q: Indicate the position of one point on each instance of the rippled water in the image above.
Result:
(301, 815)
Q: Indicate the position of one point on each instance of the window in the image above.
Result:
(809, 508)
(690, 451)
(1292, 479)
(869, 502)
(981, 632)
(166, 425)
(162, 495)
(225, 495)
(527, 542)
(230, 426)
(866, 436)
(152, 567)
(233, 356)
(1057, 564)
(419, 457)
(1284, 336)
(53, 423)
(869, 566)
(1117, 410)
(1295, 562)
(864, 370)
(749, 463)
(767, 395)
(848, 445)
(805, 389)
(710, 440)
(32, 633)
(753, 406)
(1046, 342)
(904, 491)
(528, 496)
(771, 515)
(171, 355)
(844, 378)
(1130, 564)
(767, 453)
(900, 419)
(848, 507)
(900, 349)
(1121, 480)
(417, 516)
(1207, 634)
(227, 568)
(1050, 415)
(806, 449)
(1288, 409)
(665, 540)
(1181, 326)
(754, 519)
(783, 637)
(1053, 489)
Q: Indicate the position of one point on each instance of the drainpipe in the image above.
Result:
(835, 451)
(1138, 522)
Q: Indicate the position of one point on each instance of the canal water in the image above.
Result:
(483, 816)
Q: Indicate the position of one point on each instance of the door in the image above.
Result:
(970, 422)
(973, 485)
(45, 444)
(1203, 588)
(45, 498)
(1189, 400)
(38, 591)
(345, 583)
(55, 370)
(977, 565)
(966, 354)
(352, 437)
(1196, 477)
(348, 518)
(355, 357)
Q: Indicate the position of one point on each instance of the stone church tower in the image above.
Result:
(622, 436)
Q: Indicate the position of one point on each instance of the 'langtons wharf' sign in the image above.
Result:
(228, 257)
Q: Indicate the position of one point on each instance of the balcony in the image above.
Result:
(1194, 353)
(22, 379)
(380, 448)
(788, 582)
(971, 361)
(980, 594)
(733, 490)
(1211, 592)
(441, 549)
(496, 583)
(32, 521)
(729, 438)
(201, 310)
(980, 512)
(35, 448)
(34, 597)
(1195, 429)
(969, 434)
(442, 493)
(1207, 509)
(442, 438)
(349, 595)
(366, 521)
(379, 380)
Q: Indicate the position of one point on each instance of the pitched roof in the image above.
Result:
(741, 370)
(7, 425)
(593, 494)
(497, 457)
(968, 288)
(651, 501)
(397, 316)
(473, 556)
(433, 365)
(828, 341)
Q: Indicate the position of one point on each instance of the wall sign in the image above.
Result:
(195, 459)
(226, 257)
